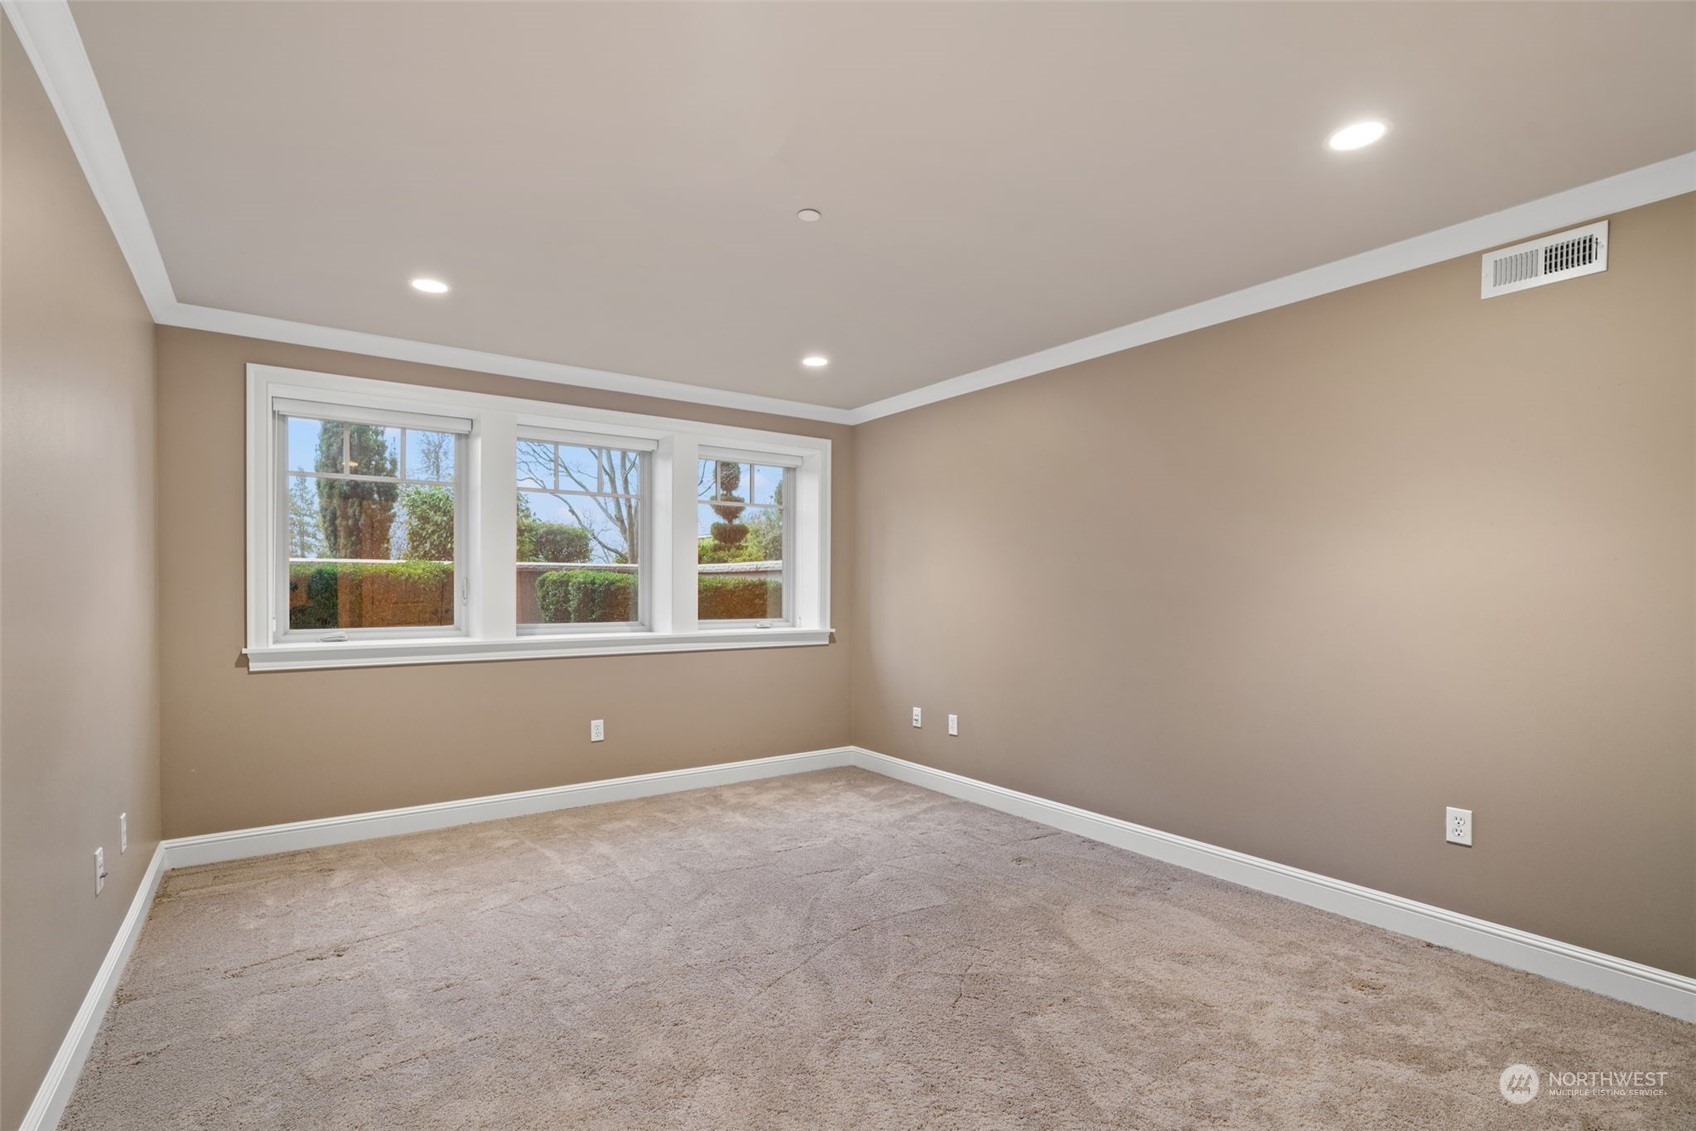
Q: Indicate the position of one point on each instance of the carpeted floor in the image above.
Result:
(826, 950)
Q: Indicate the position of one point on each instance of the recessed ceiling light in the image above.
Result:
(1358, 135)
(815, 361)
(808, 215)
(430, 286)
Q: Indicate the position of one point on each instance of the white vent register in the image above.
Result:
(1582, 251)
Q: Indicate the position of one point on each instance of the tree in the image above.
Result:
(306, 538)
(429, 517)
(540, 541)
(608, 513)
(765, 532)
(355, 515)
(435, 451)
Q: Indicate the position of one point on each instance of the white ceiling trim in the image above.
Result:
(1659, 181)
(453, 357)
(50, 38)
(49, 35)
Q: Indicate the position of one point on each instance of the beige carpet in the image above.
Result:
(827, 950)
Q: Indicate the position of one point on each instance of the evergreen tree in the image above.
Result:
(306, 538)
(356, 516)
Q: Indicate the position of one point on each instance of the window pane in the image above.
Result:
(372, 450)
(429, 456)
(579, 526)
(740, 548)
(369, 555)
(315, 445)
(768, 485)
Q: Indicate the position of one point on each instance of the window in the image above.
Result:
(741, 525)
(372, 524)
(396, 524)
(580, 535)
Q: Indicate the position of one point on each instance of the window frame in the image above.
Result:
(281, 633)
(486, 528)
(644, 577)
(720, 454)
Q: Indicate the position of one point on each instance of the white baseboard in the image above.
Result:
(213, 848)
(1659, 990)
(55, 1091)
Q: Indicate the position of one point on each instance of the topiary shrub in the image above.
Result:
(729, 533)
(739, 598)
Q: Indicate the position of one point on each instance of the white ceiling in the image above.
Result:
(615, 186)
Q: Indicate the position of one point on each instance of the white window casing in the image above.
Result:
(485, 473)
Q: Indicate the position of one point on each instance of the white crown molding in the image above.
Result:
(1619, 978)
(61, 1079)
(1673, 177)
(49, 34)
(453, 357)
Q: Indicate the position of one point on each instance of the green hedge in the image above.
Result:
(739, 598)
(370, 594)
(586, 596)
(594, 596)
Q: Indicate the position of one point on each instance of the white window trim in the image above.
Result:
(488, 629)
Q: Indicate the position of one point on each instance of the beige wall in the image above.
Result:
(78, 666)
(1288, 585)
(1293, 584)
(243, 749)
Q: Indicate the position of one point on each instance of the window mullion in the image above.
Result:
(675, 544)
(493, 547)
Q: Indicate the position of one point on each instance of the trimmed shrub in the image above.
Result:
(739, 598)
(729, 533)
(586, 596)
(316, 605)
(601, 596)
(553, 596)
(551, 541)
(369, 594)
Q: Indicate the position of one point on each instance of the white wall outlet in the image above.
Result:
(1457, 826)
(954, 725)
(918, 718)
(99, 870)
(597, 730)
(123, 833)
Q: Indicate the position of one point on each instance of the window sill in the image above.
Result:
(391, 653)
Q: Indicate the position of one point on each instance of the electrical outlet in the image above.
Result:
(123, 833)
(954, 725)
(918, 718)
(99, 870)
(1457, 826)
(597, 730)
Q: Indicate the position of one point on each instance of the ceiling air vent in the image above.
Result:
(1582, 251)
